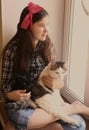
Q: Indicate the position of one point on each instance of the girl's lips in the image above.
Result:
(44, 35)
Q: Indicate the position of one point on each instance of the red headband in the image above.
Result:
(33, 8)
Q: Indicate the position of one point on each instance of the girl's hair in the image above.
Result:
(23, 39)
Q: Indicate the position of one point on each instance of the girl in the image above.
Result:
(27, 53)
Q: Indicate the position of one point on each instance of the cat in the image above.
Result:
(52, 101)
(44, 97)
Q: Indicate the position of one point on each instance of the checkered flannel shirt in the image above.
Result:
(8, 65)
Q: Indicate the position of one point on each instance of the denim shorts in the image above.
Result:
(20, 118)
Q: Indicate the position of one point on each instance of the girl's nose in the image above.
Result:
(46, 29)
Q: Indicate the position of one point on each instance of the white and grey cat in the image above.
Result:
(52, 101)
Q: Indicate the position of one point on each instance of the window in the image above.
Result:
(76, 51)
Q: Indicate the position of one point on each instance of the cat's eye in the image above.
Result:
(57, 72)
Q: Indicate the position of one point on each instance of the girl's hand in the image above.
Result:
(53, 82)
(18, 95)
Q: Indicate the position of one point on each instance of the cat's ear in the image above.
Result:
(52, 65)
(66, 66)
(49, 65)
(47, 68)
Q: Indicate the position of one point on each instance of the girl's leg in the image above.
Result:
(30, 119)
(80, 125)
(52, 126)
(56, 126)
(60, 125)
(40, 119)
(78, 108)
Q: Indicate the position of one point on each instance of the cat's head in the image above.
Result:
(54, 69)
(58, 68)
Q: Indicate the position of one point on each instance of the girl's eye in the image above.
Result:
(41, 25)
(56, 72)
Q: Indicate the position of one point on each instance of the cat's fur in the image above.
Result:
(53, 102)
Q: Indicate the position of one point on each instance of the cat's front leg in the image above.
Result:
(32, 104)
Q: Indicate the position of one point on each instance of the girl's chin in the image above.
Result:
(43, 39)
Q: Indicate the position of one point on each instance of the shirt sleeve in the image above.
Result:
(7, 74)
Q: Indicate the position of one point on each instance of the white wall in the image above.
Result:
(11, 10)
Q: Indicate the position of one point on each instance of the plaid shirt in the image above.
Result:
(8, 65)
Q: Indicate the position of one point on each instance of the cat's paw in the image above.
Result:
(75, 122)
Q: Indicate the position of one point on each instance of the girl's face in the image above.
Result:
(40, 29)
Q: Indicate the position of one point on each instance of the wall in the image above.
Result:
(11, 10)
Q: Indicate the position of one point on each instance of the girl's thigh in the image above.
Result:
(40, 118)
(31, 119)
